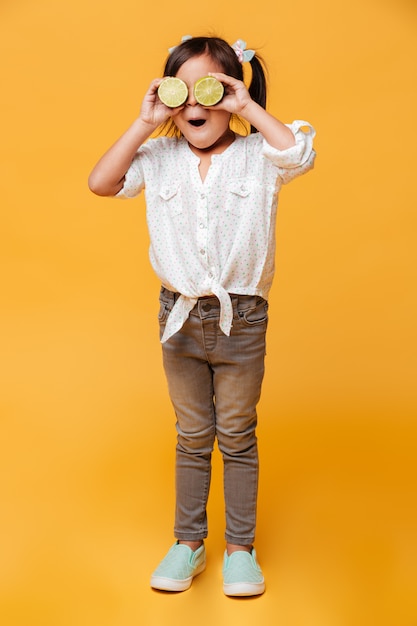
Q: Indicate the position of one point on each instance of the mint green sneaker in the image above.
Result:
(242, 575)
(177, 570)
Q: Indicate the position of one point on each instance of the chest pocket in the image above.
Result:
(170, 198)
(239, 194)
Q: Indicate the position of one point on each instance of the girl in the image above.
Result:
(211, 207)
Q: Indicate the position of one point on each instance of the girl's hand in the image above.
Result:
(238, 100)
(236, 96)
(153, 111)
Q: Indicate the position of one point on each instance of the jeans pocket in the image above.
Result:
(254, 315)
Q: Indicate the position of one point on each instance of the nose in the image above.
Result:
(191, 101)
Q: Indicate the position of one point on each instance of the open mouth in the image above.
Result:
(197, 122)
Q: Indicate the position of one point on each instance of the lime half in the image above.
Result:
(208, 91)
(173, 92)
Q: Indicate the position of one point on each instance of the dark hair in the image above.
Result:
(221, 52)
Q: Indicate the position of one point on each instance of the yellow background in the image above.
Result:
(87, 431)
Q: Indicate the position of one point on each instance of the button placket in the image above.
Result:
(202, 221)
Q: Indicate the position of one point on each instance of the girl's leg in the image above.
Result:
(238, 367)
(190, 384)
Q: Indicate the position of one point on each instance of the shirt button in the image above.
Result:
(202, 196)
(202, 251)
(210, 274)
(201, 225)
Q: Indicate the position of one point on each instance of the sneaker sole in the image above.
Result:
(172, 584)
(243, 589)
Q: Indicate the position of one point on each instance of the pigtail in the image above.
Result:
(257, 87)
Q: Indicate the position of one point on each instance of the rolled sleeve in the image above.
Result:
(297, 159)
(134, 180)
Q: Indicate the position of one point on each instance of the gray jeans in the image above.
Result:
(215, 383)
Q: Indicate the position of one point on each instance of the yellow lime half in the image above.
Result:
(208, 91)
(173, 92)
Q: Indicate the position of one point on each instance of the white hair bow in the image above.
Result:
(242, 54)
(185, 38)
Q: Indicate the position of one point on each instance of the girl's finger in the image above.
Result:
(153, 87)
(224, 78)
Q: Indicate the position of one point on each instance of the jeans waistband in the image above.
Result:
(235, 298)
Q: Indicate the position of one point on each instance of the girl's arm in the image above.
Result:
(237, 100)
(107, 177)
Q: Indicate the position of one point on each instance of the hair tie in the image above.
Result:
(242, 54)
(184, 38)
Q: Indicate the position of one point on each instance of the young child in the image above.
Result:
(211, 198)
